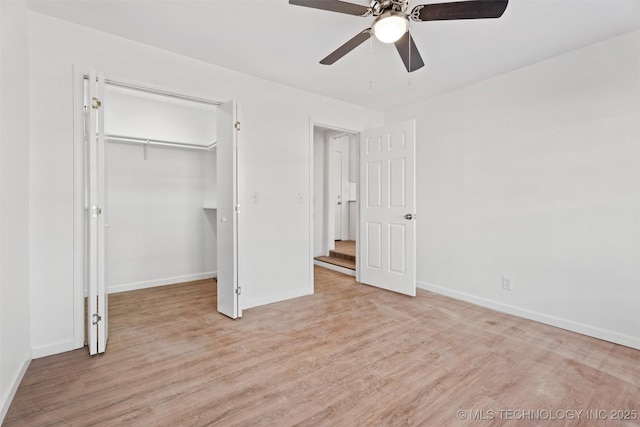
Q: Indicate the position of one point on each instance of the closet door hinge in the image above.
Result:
(95, 319)
(96, 103)
(237, 126)
(238, 290)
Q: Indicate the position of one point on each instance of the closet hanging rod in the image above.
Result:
(145, 141)
(340, 135)
(156, 91)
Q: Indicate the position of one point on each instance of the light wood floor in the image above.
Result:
(348, 355)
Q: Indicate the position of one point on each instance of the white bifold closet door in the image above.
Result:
(227, 212)
(388, 204)
(97, 319)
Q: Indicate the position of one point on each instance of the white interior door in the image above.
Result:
(336, 192)
(97, 316)
(342, 146)
(340, 159)
(387, 190)
(227, 212)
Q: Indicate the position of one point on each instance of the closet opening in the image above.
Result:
(335, 208)
(159, 188)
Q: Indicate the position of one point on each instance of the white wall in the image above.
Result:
(15, 347)
(158, 232)
(135, 113)
(535, 175)
(319, 137)
(274, 150)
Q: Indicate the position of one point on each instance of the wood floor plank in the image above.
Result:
(348, 355)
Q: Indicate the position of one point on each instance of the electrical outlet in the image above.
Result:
(507, 283)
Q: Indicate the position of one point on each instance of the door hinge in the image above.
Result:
(238, 290)
(237, 126)
(95, 211)
(96, 103)
(95, 319)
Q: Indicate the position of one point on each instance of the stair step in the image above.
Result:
(346, 263)
(341, 255)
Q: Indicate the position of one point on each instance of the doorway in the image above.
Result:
(335, 209)
(160, 190)
(385, 203)
(159, 176)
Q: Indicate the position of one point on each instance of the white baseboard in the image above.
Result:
(276, 298)
(114, 289)
(334, 267)
(14, 383)
(55, 348)
(547, 319)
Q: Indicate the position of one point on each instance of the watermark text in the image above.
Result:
(547, 414)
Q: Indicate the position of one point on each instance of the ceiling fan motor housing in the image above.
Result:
(378, 7)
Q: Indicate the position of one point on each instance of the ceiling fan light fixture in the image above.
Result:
(390, 26)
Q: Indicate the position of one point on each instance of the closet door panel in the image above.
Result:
(227, 224)
(97, 318)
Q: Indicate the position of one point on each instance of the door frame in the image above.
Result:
(356, 134)
(80, 190)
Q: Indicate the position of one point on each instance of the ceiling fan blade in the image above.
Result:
(409, 52)
(347, 47)
(473, 9)
(334, 6)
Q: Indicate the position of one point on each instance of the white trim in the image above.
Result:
(277, 298)
(333, 128)
(311, 286)
(328, 223)
(537, 316)
(334, 267)
(14, 383)
(79, 209)
(357, 203)
(48, 350)
(124, 287)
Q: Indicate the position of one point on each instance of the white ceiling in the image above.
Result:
(283, 43)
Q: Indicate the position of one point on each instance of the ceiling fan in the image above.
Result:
(391, 23)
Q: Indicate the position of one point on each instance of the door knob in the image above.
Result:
(409, 216)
